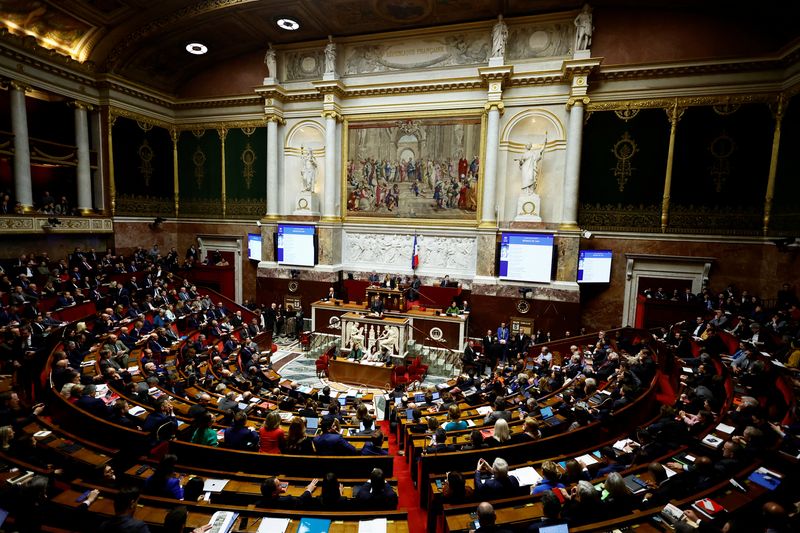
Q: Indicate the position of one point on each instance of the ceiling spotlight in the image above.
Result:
(288, 24)
(197, 49)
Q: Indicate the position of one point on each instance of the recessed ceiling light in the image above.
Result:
(288, 24)
(197, 49)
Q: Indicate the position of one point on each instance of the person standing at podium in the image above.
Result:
(376, 306)
(413, 291)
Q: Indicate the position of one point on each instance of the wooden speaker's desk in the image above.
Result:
(361, 374)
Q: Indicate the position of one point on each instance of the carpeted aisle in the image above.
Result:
(407, 494)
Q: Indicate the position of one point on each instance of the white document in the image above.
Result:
(484, 410)
(214, 485)
(526, 476)
(622, 444)
(376, 525)
(136, 410)
(712, 441)
(670, 472)
(586, 459)
(273, 525)
(725, 428)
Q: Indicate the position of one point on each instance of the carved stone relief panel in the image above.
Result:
(438, 255)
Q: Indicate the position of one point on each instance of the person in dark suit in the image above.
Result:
(445, 281)
(413, 291)
(93, 405)
(376, 493)
(499, 485)
(439, 444)
(125, 502)
(487, 519)
(273, 494)
(331, 442)
(489, 351)
(332, 496)
(377, 305)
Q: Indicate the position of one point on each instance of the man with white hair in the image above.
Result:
(499, 485)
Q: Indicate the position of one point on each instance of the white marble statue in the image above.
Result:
(531, 164)
(499, 38)
(583, 29)
(390, 338)
(355, 334)
(330, 57)
(271, 61)
(309, 170)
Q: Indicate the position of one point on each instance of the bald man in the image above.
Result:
(487, 519)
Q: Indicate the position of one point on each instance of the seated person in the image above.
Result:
(239, 436)
(487, 519)
(439, 443)
(357, 352)
(454, 423)
(549, 479)
(376, 493)
(453, 309)
(332, 496)
(499, 485)
(375, 445)
(376, 306)
(273, 494)
(163, 482)
(330, 442)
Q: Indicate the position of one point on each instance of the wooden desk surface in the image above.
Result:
(345, 371)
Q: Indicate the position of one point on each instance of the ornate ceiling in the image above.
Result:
(145, 40)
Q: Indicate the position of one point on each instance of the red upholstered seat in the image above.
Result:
(417, 371)
(322, 365)
(400, 375)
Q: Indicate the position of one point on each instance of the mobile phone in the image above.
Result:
(82, 497)
(141, 470)
(439, 484)
(284, 485)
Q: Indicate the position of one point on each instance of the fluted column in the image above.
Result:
(23, 191)
(489, 200)
(84, 173)
(674, 114)
(773, 163)
(572, 168)
(272, 166)
(329, 199)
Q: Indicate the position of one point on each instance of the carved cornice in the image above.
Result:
(502, 74)
(222, 125)
(38, 224)
(334, 87)
(136, 93)
(114, 112)
(682, 101)
(525, 81)
(579, 67)
(212, 104)
(30, 46)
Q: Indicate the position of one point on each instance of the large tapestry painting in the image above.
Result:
(414, 168)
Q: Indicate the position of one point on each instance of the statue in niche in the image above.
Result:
(309, 169)
(583, 29)
(531, 164)
(330, 57)
(271, 61)
(499, 38)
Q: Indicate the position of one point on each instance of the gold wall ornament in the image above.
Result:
(249, 130)
(146, 155)
(624, 150)
(198, 133)
(248, 157)
(144, 126)
(721, 148)
(627, 113)
(199, 160)
(726, 108)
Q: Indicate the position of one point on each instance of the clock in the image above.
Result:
(523, 306)
(293, 286)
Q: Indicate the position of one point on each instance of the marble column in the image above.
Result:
(489, 200)
(84, 162)
(329, 200)
(569, 210)
(23, 191)
(272, 167)
(778, 112)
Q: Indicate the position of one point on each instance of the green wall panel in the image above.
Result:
(200, 173)
(246, 172)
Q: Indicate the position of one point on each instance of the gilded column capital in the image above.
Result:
(276, 118)
(330, 113)
(675, 113)
(222, 132)
(499, 105)
(573, 100)
(19, 86)
(173, 134)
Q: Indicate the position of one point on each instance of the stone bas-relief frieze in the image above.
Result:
(541, 40)
(469, 49)
(438, 255)
(303, 65)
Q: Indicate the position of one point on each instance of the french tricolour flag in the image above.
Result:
(415, 255)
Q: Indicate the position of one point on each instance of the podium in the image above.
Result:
(393, 299)
(373, 333)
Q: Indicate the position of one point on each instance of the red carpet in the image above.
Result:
(407, 495)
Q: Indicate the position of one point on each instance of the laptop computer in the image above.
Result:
(409, 415)
(311, 426)
(435, 396)
(548, 417)
(342, 401)
(419, 397)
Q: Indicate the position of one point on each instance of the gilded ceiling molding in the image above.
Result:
(221, 125)
(682, 101)
(211, 104)
(117, 112)
(136, 93)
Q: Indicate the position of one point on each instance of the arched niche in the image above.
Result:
(301, 135)
(531, 126)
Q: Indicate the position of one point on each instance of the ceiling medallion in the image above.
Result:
(197, 49)
(288, 24)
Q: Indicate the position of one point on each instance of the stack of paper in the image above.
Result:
(376, 525)
(273, 525)
(725, 428)
(526, 476)
(214, 485)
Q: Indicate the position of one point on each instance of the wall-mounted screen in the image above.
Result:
(254, 246)
(296, 245)
(594, 266)
(526, 257)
